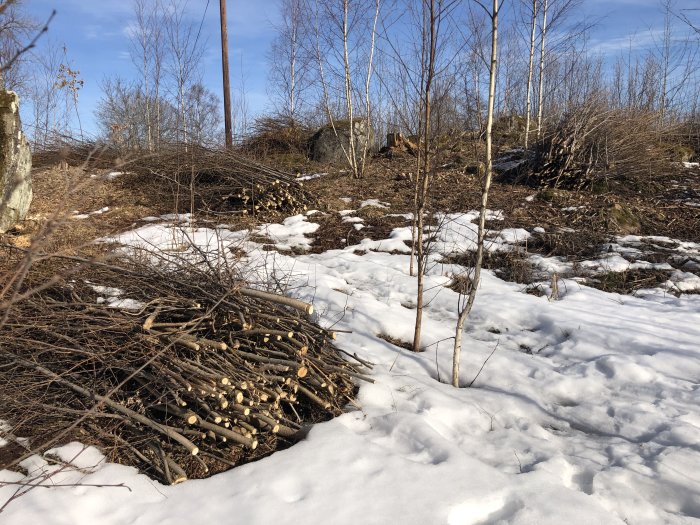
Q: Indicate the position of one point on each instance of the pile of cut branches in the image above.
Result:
(224, 181)
(278, 135)
(592, 147)
(72, 152)
(182, 374)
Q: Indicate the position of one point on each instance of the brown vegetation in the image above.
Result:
(196, 374)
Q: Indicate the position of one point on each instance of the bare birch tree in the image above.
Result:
(185, 51)
(431, 14)
(16, 29)
(466, 301)
(434, 13)
(540, 93)
(289, 62)
(528, 103)
(344, 45)
(142, 37)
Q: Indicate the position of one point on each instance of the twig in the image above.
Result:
(484, 364)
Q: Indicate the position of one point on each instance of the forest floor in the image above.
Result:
(582, 355)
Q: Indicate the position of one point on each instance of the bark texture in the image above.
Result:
(15, 164)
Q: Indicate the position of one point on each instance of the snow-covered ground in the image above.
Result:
(587, 411)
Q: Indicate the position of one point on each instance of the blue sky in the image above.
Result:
(94, 32)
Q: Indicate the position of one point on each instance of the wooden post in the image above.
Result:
(227, 82)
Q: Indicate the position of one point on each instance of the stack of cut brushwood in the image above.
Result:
(179, 374)
(225, 181)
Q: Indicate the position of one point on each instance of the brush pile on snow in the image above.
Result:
(181, 374)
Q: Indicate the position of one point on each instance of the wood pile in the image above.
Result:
(399, 143)
(569, 157)
(225, 181)
(593, 146)
(278, 136)
(183, 376)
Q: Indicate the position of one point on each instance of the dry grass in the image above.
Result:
(629, 281)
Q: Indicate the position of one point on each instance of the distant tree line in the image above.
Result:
(547, 64)
(339, 60)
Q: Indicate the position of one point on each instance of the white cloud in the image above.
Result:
(633, 42)
(101, 9)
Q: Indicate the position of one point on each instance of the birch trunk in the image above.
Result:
(352, 155)
(528, 109)
(464, 313)
(541, 79)
(423, 179)
(368, 104)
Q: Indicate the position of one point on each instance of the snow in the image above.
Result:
(616, 263)
(79, 216)
(586, 412)
(374, 202)
(514, 235)
(291, 233)
(173, 217)
(510, 160)
(113, 298)
(311, 176)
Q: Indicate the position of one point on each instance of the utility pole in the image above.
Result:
(227, 81)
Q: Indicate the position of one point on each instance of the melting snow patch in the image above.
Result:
(514, 235)
(312, 176)
(374, 202)
(113, 298)
(291, 233)
(684, 281)
(79, 216)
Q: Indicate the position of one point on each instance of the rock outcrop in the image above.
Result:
(15, 164)
(327, 144)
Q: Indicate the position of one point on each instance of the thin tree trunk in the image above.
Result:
(530, 68)
(541, 79)
(149, 134)
(464, 313)
(368, 106)
(293, 67)
(665, 59)
(421, 256)
(352, 158)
